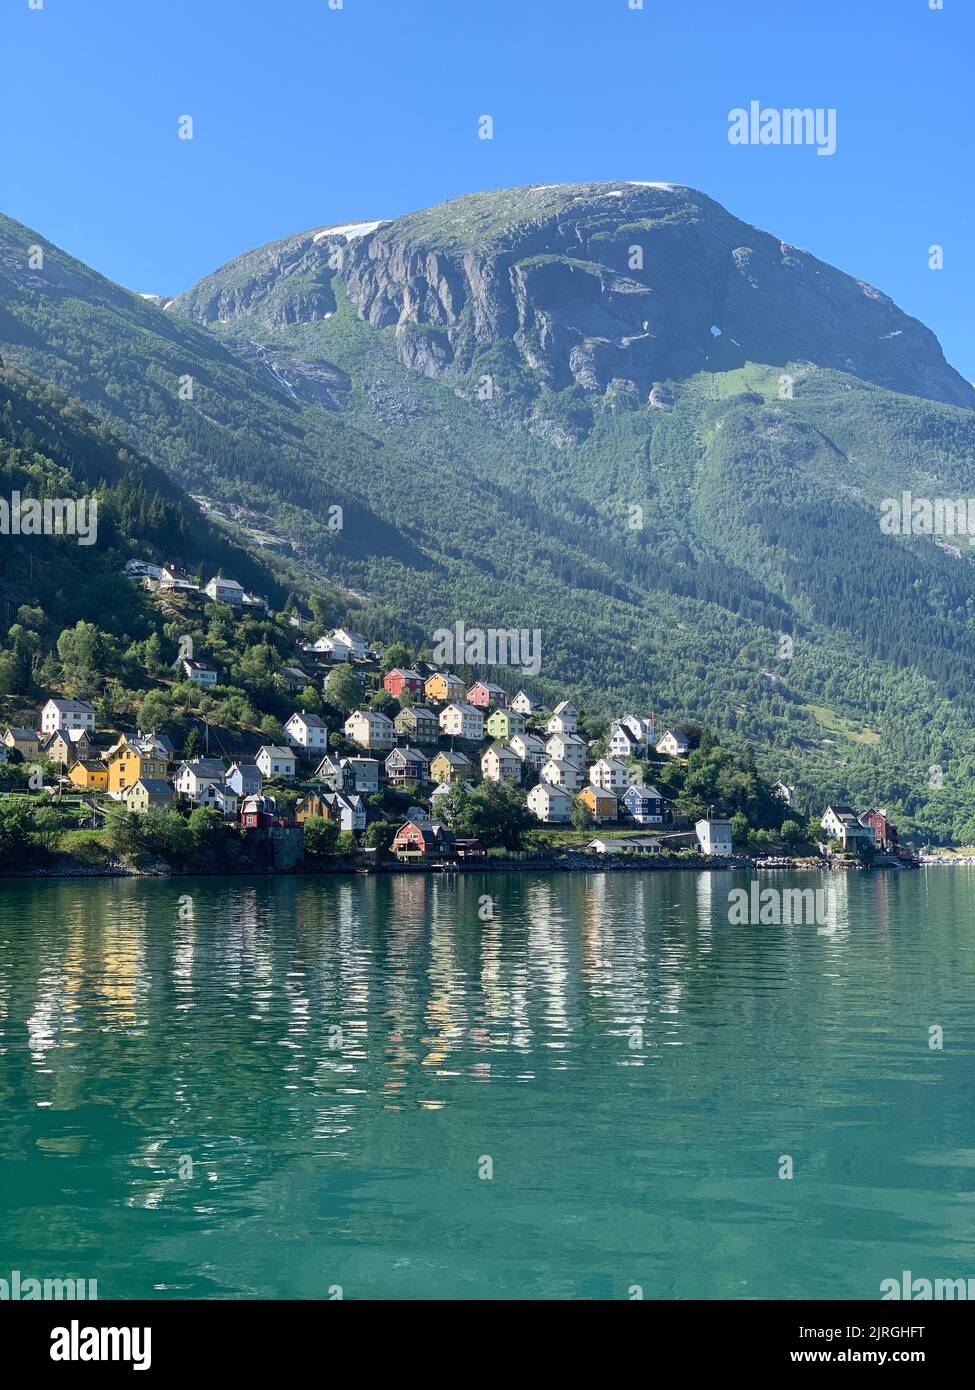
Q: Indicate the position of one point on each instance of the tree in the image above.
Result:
(154, 715)
(321, 836)
(385, 703)
(207, 830)
(581, 815)
(342, 689)
(378, 835)
(193, 746)
(79, 649)
(347, 843)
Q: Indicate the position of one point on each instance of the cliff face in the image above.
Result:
(586, 284)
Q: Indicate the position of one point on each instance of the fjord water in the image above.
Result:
(633, 1067)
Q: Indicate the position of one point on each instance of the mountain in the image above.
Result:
(585, 284)
(667, 463)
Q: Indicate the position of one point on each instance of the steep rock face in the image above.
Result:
(584, 285)
(589, 283)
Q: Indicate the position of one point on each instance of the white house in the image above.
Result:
(370, 729)
(500, 764)
(462, 720)
(619, 844)
(550, 804)
(623, 743)
(609, 775)
(524, 703)
(225, 591)
(564, 720)
(714, 836)
(199, 672)
(275, 761)
(562, 774)
(61, 715)
(567, 748)
(329, 646)
(674, 744)
(191, 778)
(357, 644)
(530, 748)
(307, 732)
(841, 823)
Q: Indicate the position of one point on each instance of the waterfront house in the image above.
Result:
(370, 729)
(500, 764)
(609, 775)
(619, 844)
(462, 720)
(245, 779)
(417, 840)
(275, 761)
(260, 812)
(564, 720)
(674, 743)
(67, 714)
(644, 805)
(405, 766)
(562, 774)
(148, 793)
(530, 748)
(89, 775)
(602, 805)
(402, 682)
(344, 808)
(885, 834)
(840, 823)
(448, 767)
(307, 732)
(550, 804)
(502, 723)
(714, 835)
(418, 723)
(484, 693)
(443, 687)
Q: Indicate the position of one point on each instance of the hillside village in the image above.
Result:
(423, 764)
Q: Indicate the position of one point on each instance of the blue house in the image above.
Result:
(245, 779)
(644, 805)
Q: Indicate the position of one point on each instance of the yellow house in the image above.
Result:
(90, 774)
(444, 687)
(450, 767)
(129, 763)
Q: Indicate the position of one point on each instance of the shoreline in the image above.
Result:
(571, 863)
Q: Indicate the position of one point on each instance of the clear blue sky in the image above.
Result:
(305, 115)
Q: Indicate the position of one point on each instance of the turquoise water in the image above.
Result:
(630, 1066)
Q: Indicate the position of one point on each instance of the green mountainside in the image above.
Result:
(690, 517)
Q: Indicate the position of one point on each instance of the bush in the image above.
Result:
(321, 836)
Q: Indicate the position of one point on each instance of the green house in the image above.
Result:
(504, 722)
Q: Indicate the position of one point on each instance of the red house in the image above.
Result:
(483, 693)
(414, 839)
(885, 832)
(397, 681)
